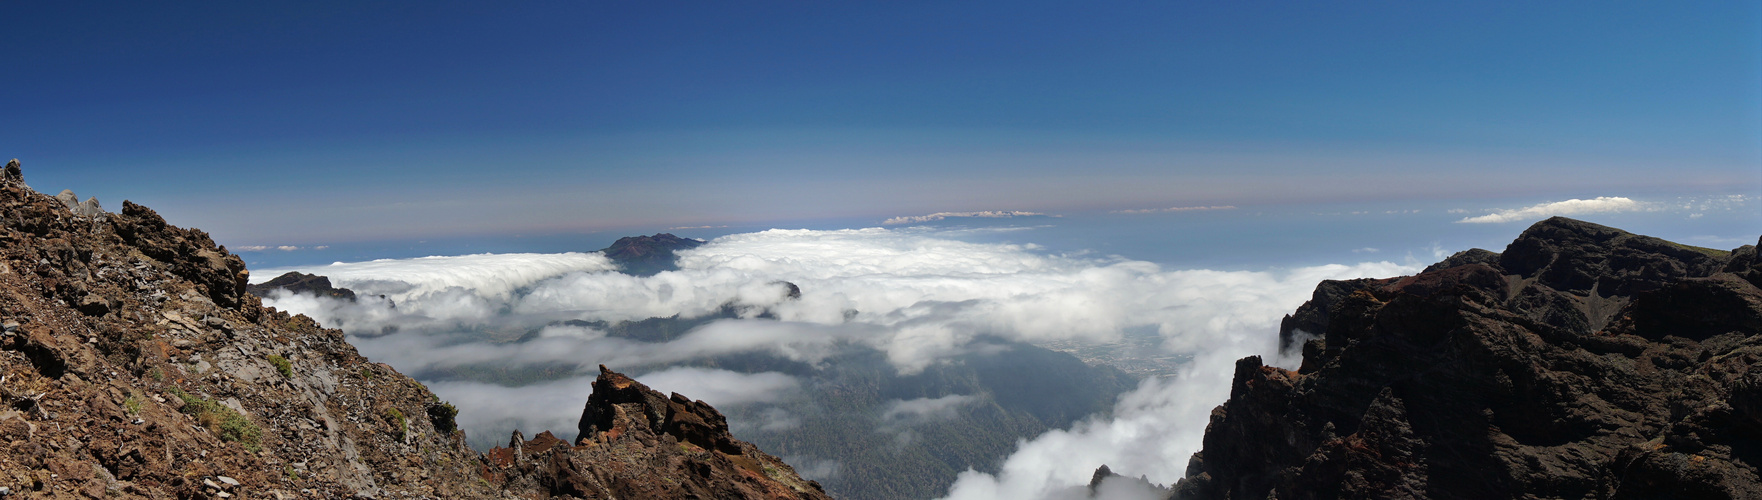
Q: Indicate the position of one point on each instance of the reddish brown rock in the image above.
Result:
(635, 443)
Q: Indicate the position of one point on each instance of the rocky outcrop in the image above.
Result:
(134, 365)
(1582, 362)
(636, 443)
(298, 282)
(648, 255)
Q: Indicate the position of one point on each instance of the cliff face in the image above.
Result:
(134, 364)
(636, 443)
(1583, 362)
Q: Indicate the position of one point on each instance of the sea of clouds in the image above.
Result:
(918, 295)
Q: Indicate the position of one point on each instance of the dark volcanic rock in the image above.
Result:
(1582, 362)
(636, 443)
(298, 282)
(648, 255)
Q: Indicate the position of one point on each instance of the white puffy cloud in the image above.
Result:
(914, 294)
(1601, 204)
(487, 275)
(723, 388)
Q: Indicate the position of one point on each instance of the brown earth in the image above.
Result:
(1583, 362)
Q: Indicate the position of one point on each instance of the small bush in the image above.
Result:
(133, 405)
(222, 421)
(396, 419)
(282, 365)
(443, 415)
(157, 374)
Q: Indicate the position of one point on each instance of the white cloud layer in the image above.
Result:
(1601, 204)
(913, 294)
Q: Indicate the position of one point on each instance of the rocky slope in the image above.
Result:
(133, 363)
(1582, 362)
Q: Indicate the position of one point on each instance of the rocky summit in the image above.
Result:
(629, 437)
(1582, 362)
(135, 364)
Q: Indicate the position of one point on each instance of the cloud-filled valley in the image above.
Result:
(515, 339)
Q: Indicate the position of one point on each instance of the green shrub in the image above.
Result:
(396, 419)
(443, 415)
(133, 405)
(282, 365)
(222, 421)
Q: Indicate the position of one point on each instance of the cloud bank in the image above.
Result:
(915, 295)
(1602, 204)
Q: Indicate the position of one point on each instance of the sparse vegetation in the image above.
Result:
(396, 419)
(224, 422)
(282, 365)
(157, 374)
(133, 405)
(366, 373)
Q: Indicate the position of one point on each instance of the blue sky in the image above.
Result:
(325, 123)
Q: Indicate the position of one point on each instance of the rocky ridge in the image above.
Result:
(298, 282)
(134, 363)
(1582, 362)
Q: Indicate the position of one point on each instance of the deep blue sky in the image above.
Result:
(332, 122)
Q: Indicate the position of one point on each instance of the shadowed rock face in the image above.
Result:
(648, 255)
(1583, 362)
(636, 443)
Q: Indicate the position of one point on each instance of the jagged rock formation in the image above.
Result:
(298, 282)
(1110, 485)
(636, 443)
(648, 255)
(134, 364)
(1583, 362)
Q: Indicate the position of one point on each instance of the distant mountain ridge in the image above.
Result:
(1582, 362)
(648, 255)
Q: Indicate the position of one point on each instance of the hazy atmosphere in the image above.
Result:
(1048, 229)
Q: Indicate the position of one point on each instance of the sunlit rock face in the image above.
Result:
(1582, 362)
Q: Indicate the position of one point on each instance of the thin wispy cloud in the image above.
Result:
(1176, 209)
(1572, 207)
(988, 214)
(284, 248)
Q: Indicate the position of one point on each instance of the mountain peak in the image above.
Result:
(648, 255)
